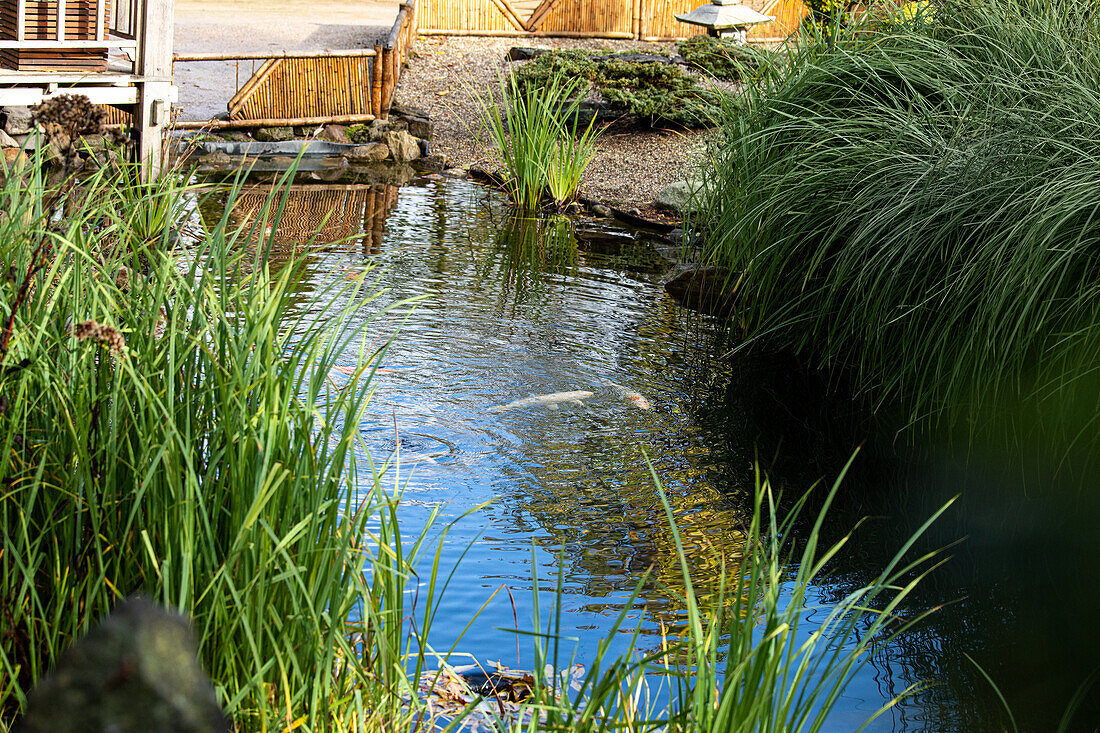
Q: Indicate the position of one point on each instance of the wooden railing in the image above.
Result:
(57, 47)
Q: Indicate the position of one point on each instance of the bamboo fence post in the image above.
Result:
(376, 81)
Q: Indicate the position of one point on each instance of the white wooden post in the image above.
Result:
(154, 68)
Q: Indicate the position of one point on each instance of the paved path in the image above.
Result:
(229, 26)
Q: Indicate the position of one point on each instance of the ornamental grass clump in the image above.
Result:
(538, 137)
(917, 205)
(168, 427)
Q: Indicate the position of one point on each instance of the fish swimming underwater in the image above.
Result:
(550, 401)
(627, 393)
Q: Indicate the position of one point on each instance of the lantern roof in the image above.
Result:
(721, 14)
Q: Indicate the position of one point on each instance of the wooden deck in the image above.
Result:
(132, 69)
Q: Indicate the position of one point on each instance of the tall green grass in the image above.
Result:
(168, 427)
(918, 204)
(539, 141)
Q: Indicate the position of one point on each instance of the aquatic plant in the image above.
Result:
(915, 208)
(539, 139)
(167, 426)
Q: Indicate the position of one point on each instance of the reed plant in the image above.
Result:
(762, 655)
(915, 205)
(168, 427)
(539, 140)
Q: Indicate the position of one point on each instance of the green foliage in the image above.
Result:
(918, 205)
(168, 427)
(658, 93)
(653, 91)
(539, 140)
(722, 58)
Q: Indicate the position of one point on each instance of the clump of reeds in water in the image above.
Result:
(539, 140)
(917, 203)
(167, 427)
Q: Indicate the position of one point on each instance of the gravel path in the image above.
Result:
(631, 165)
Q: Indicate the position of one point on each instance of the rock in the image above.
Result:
(430, 163)
(137, 672)
(377, 129)
(7, 141)
(216, 158)
(274, 134)
(370, 153)
(236, 136)
(524, 53)
(406, 111)
(14, 158)
(709, 290)
(600, 210)
(334, 134)
(421, 127)
(679, 197)
(403, 146)
(17, 120)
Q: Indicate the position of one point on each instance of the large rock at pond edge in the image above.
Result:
(274, 134)
(403, 146)
(708, 289)
(370, 153)
(679, 197)
(17, 120)
(137, 672)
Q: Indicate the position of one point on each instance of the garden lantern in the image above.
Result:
(725, 19)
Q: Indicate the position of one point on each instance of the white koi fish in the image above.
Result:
(550, 401)
(628, 394)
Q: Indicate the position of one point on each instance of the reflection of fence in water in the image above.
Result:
(321, 214)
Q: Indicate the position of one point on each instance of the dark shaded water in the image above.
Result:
(514, 308)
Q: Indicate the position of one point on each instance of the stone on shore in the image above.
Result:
(430, 163)
(137, 672)
(7, 141)
(274, 134)
(403, 146)
(369, 153)
(334, 134)
(680, 197)
(17, 120)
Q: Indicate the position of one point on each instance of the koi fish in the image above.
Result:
(550, 401)
(628, 394)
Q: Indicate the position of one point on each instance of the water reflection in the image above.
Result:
(519, 306)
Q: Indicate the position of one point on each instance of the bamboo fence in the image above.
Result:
(648, 20)
(316, 87)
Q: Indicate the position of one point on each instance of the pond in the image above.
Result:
(511, 307)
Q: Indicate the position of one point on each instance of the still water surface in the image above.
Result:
(512, 308)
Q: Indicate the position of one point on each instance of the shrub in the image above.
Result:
(652, 91)
(723, 59)
(917, 206)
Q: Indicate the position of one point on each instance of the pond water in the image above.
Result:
(513, 308)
